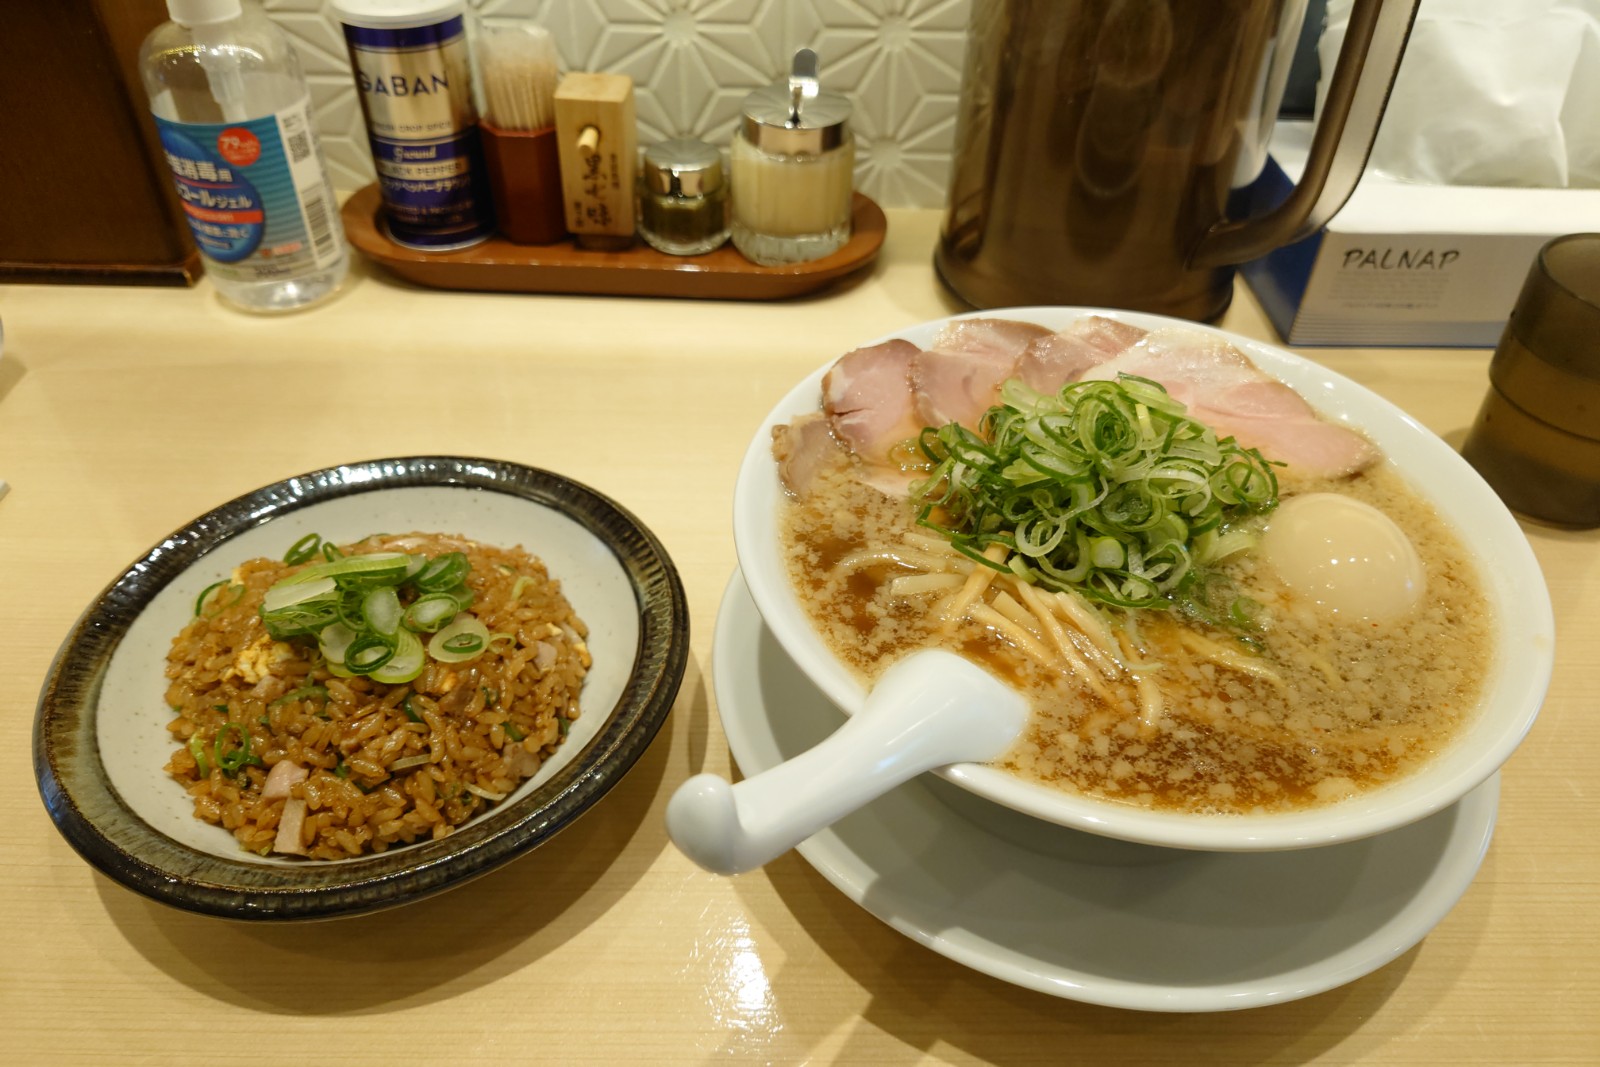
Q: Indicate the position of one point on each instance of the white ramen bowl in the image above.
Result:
(1523, 627)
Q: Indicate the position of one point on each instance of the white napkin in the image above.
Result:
(1490, 92)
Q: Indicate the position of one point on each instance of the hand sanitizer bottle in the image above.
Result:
(234, 115)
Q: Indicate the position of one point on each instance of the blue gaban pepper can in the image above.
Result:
(413, 73)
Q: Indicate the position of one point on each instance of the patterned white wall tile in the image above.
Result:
(693, 61)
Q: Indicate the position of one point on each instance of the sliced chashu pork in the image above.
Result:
(867, 398)
(867, 409)
(878, 397)
(1052, 361)
(958, 377)
(1224, 390)
(803, 448)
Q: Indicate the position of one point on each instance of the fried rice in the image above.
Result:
(369, 766)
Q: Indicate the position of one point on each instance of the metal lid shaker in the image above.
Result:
(793, 168)
(683, 197)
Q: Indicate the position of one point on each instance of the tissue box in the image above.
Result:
(1404, 263)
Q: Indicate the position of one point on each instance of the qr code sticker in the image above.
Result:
(299, 146)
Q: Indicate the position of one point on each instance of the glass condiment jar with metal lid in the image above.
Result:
(793, 162)
(683, 199)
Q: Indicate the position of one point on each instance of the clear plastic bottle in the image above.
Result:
(234, 114)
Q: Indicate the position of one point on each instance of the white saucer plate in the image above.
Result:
(1088, 918)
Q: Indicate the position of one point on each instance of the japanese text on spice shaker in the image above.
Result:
(597, 144)
(413, 74)
(793, 168)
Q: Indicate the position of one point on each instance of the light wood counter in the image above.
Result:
(126, 412)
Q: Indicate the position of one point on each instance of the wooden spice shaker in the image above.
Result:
(598, 139)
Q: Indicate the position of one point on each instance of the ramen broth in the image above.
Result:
(1341, 708)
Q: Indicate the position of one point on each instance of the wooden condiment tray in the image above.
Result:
(498, 265)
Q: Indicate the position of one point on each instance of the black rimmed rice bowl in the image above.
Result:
(101, 741)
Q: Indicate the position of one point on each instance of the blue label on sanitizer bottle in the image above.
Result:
(254, 194)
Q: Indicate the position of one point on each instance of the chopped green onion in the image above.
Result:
(406, 662)
(478, 790)
(381, 610)
(519, 585)
(300, 694)
(233, 760)
(1106, 553)
(1215, 599)
(199, 601)
(563, 726)
(301, 621)
(340, 770)
(428, 613)
(367, 653)
(334, 642)
(1106, 488)
(489, 696)
(197, 749)
(303, 549)
(365, 611)
(405, 763)
(370, 566)
(1212, 547)
(462, 640)
(441, 572)
(282, 597)
(233, 587)
(375, 568)
(411, 713)
(347, 606)
(514, 733)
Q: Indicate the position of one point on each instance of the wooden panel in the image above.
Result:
(82, 198)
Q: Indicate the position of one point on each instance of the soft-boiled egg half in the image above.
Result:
(1346, 556)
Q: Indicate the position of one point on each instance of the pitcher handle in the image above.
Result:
(1357, 95)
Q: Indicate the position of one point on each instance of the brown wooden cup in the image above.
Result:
(525, 180)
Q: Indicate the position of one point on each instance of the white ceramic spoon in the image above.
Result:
(930, 709)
